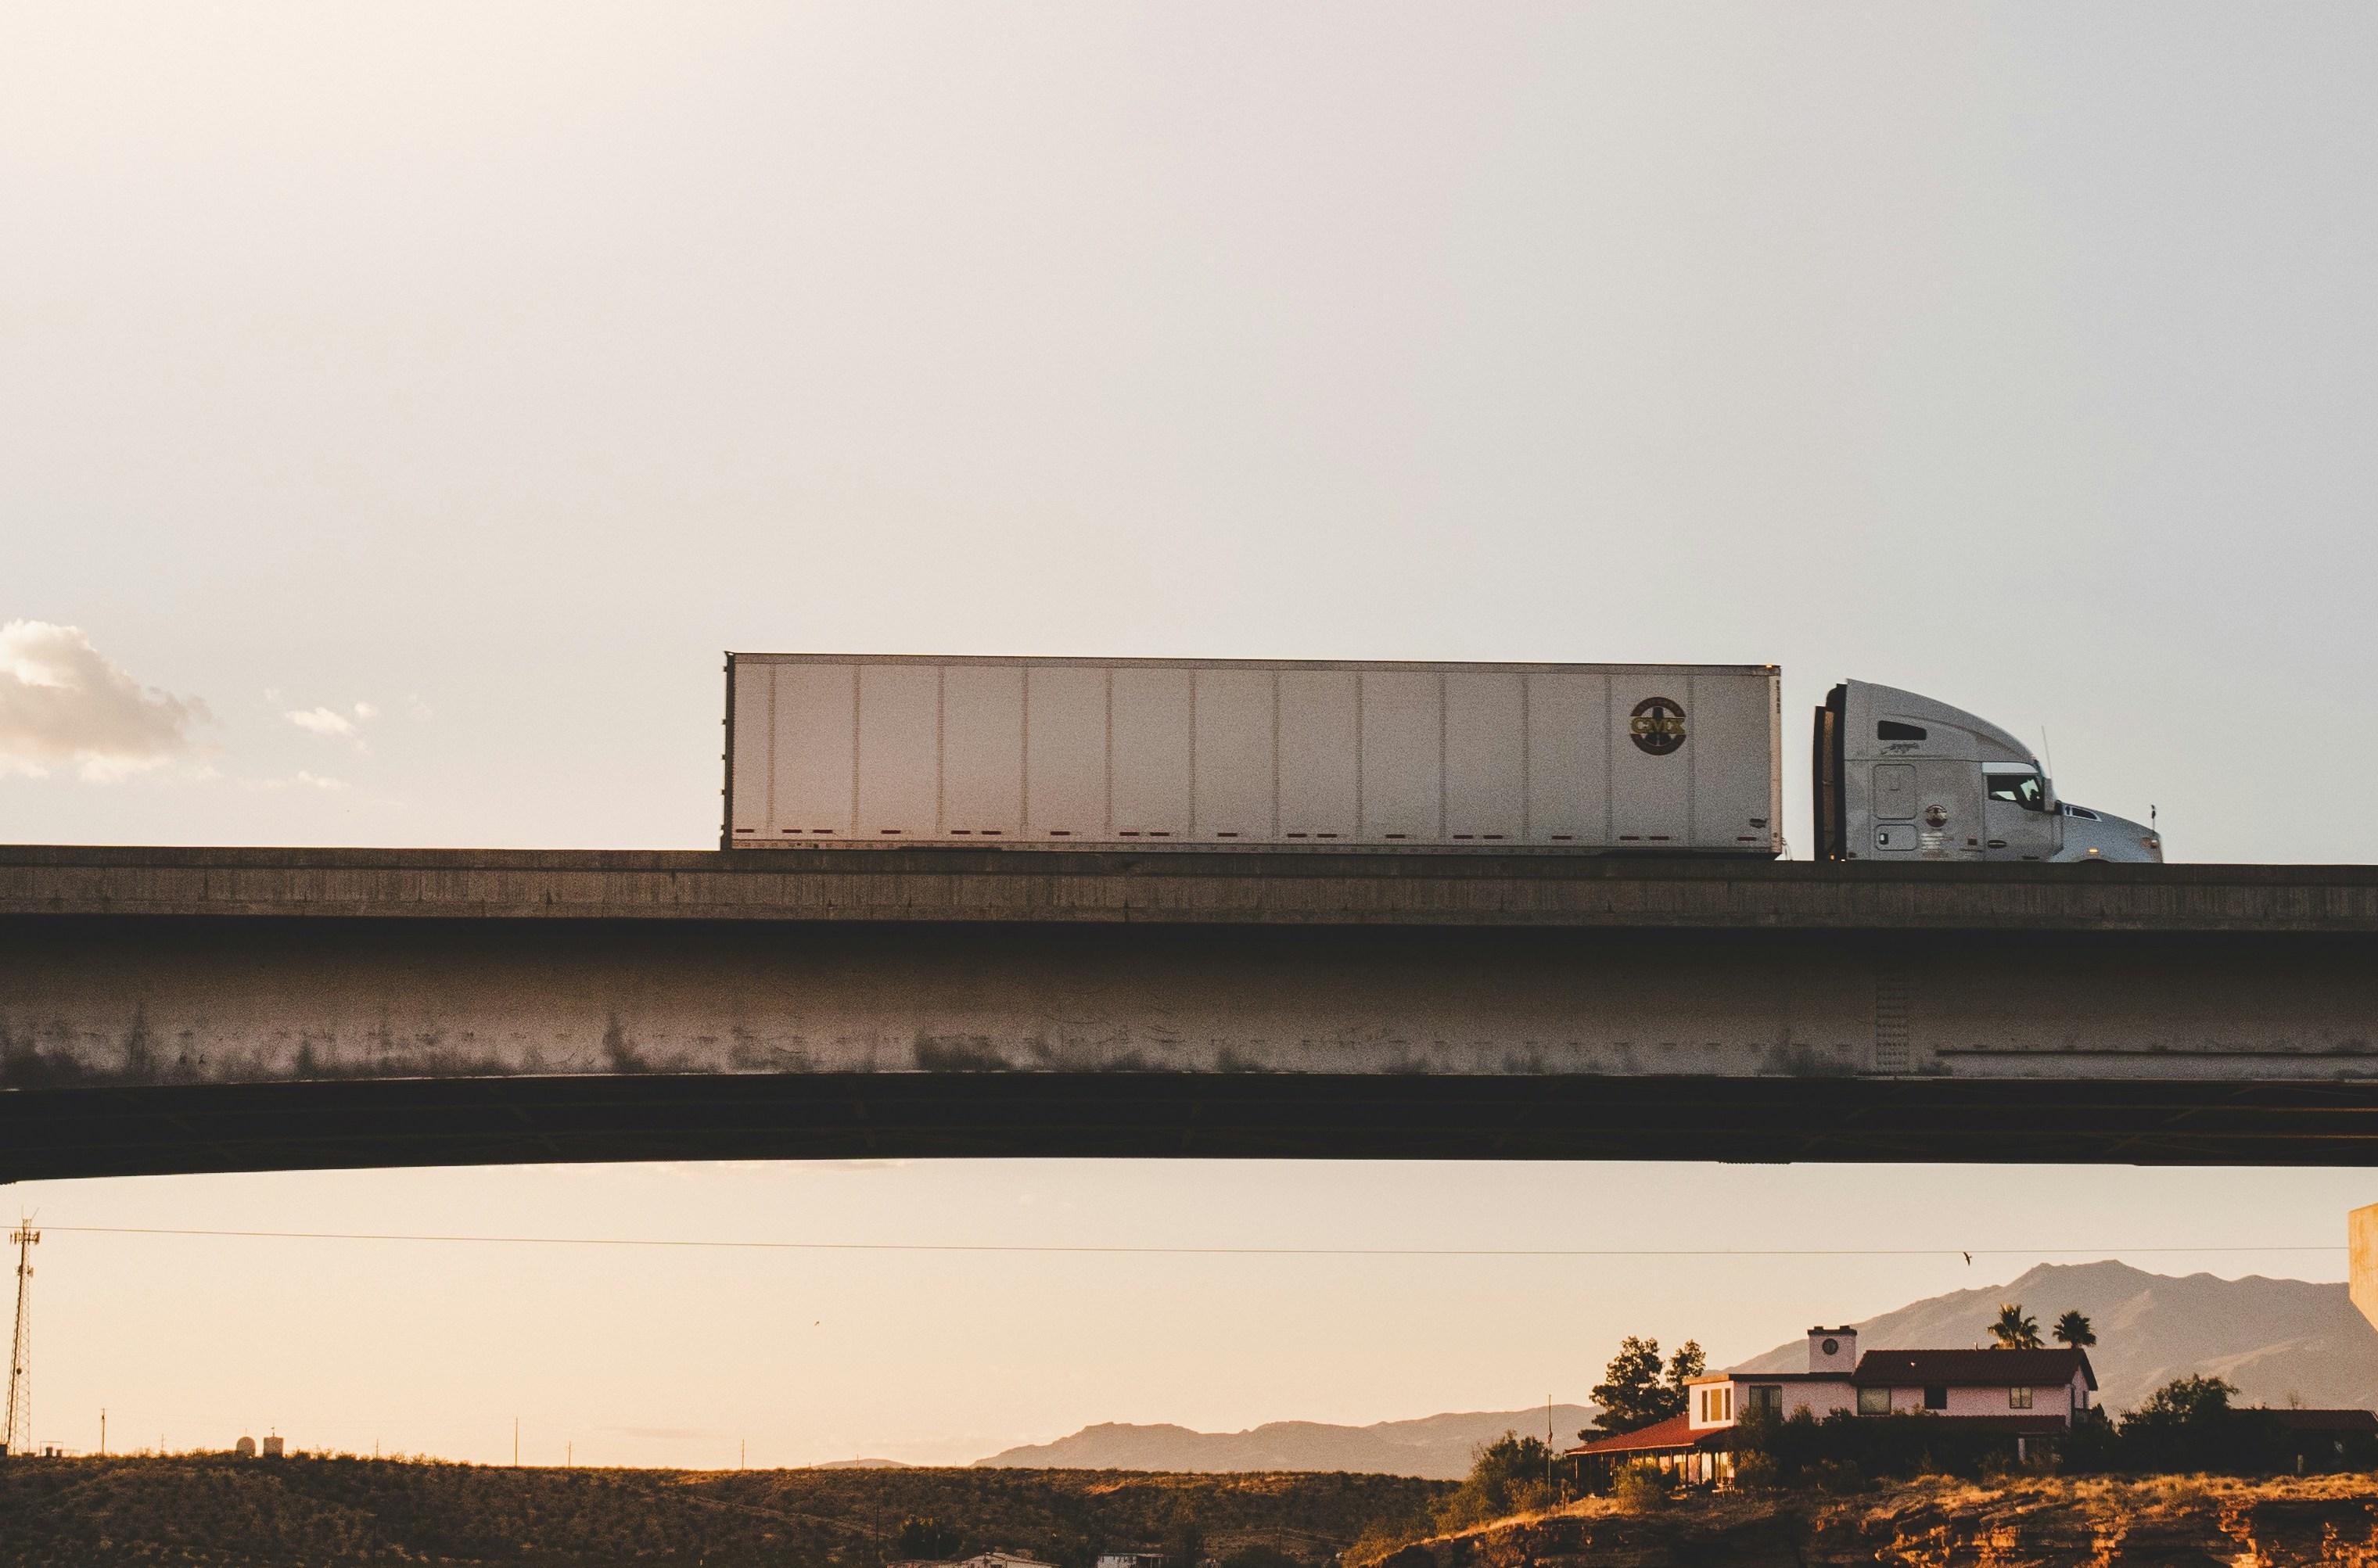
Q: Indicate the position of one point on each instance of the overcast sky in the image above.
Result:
(401, 409)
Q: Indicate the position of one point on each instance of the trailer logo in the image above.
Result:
(1658, 725)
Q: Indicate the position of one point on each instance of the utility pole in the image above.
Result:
(16, 1433)
(102, 1432)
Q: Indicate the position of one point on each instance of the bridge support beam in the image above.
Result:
(218, 1009)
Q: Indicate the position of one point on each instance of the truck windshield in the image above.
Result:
(2020, 787)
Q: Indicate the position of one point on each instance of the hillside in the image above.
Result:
(250, 1514)
(2273, 1338)
(863, 1465)
(2182, 1522)
(1435, 1446)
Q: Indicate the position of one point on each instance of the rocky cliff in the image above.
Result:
(2187, 1522)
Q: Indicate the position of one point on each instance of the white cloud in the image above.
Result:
(321, 720)
(301, 779)
(63, 701)
(330, 721)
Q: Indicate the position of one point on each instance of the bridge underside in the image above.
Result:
(287, 1126)
(152, 1044)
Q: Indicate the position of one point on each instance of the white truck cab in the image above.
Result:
(2101, 836)
(1900, 776)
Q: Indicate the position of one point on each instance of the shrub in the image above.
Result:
(1639, 1488)
(1507, 1477)
(1836, 1475)
(2190, 1424)
(1260, 1556)
(1758, 1471)
(2092, 1447)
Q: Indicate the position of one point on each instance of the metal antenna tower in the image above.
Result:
(17, 1434)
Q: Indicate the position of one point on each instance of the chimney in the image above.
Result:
(1832, 1350)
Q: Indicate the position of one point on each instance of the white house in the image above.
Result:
(2029, 1385)
(2022, 1394)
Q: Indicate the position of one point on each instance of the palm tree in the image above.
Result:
(2014, 1330)
(2073, 1329)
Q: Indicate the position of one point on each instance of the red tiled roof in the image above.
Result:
(1971, 1369)
(1677, 1432)
(2327, 1421)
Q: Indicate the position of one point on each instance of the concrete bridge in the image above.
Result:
(178, 1009)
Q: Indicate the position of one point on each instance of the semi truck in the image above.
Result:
(848, 751)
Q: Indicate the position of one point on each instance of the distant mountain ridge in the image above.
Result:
(1435, 1447)
(2277, 1340)
(2280, 1340)
(863, 1465)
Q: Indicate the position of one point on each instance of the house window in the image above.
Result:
(2018, 1399)
(1717, 1404)
(1936, 1396)
(1874, 1402)
(1763, 1398)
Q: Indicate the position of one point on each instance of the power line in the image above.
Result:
(1143, 1251)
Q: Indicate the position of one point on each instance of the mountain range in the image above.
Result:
(1437, 1447)
(2280, 1341)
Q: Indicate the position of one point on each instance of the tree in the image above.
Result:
(2184, 1401)
(1633, 1396)
(1184, 1536)
(2190, 1424)
(2013, 1330)
(1507, 1477)
(1684, 1365)
(927, 1540)
(2073, 1329)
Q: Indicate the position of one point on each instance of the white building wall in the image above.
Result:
(1820, 1397)
(2047, 1399)
(1995, 1402)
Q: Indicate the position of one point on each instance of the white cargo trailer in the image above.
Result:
(843, 749)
